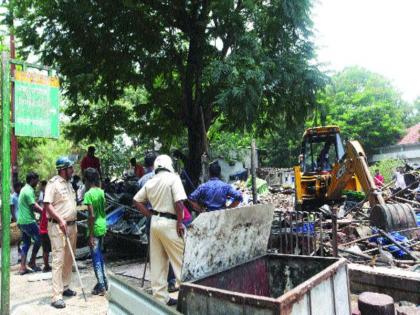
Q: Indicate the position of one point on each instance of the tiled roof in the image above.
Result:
(412, 135)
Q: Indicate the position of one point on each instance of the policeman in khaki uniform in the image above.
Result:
(165, 193)
(60, 202)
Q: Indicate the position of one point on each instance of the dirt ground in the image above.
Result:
(30, 297)
(30, 294)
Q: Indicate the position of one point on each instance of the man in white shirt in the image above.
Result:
(165, 193)
(399, 179)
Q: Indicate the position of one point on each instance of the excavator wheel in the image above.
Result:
(391, 217)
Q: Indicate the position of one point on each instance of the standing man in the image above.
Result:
(149, 172)
(27, 222)
(137, 168)
(43, 229)
(60, 202)
(14, 200)
(14, 208)
(378, 179)
(399, 180)
(165, 193)
(213, 194)
(90, 160)
(149, 160)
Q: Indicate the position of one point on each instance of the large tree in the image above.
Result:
(366, 107)
(191, 60)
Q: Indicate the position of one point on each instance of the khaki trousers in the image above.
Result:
(165, 246)
(62, 261)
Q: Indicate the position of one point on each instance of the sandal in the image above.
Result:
(24, 272)
(98, 291)
(35, 268)
(46, 269)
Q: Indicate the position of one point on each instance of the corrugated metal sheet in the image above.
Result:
(124, 299)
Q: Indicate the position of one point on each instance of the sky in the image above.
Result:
(382, 36)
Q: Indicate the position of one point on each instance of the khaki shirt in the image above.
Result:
(162, 191)
(60, 194)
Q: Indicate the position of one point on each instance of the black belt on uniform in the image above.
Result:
(67, 222)
(164, 214)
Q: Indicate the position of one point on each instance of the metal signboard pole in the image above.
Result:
(5, 184)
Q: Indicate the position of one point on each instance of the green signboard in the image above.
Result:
(37, 101)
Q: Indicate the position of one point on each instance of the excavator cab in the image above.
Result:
(327, 171)
(322, 150)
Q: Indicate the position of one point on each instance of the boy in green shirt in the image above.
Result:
(95, 200)
(27, 222)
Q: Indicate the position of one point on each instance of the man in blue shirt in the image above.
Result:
(213, 194)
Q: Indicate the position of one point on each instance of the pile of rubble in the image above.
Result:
(347, 230)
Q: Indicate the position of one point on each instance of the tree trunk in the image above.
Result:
(196, 149)
(195, 118)
(371, 303)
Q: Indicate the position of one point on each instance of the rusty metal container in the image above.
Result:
(271, 284)
(226, 271)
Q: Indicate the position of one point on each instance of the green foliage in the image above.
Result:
(40, 155)
(228, 145)
(157, 68)
(365, 106)
(354, 195)
(281, 148)
(412, 113)
(386, 168)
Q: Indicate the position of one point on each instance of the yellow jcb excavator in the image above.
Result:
(327, 168)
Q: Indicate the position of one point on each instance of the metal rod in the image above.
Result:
(254, 172)
(334, 231)
(388, 236)
(297, 233)
(281, 233)
(308, 232)
(14, 140)
(29, 65)
(389, 245)
(351, 252)
(321, 234)
(302, 219)
(292, 233)
(286, 235)
(377, 234)
(409, 201)
(145, 264)
(75, 265)
(313, 240)
(5, 182)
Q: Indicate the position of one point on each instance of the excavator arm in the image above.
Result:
(354, 162)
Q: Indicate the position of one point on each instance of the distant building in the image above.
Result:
(412, 136)
(408, 148)
(277, 176)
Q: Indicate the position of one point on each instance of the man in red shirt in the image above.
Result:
(379, 179)
(90, 160)
(137, 168)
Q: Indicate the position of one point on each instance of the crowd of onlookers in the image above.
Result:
(46, 213)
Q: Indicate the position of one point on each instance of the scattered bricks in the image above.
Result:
(371, 303)
(407, 310)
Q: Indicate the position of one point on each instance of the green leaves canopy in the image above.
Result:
(365, 106)
(250, 60)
